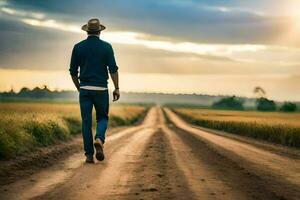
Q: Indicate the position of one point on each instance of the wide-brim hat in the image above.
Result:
(93, 25)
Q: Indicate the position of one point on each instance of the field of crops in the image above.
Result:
(24, 126)
(276, 127)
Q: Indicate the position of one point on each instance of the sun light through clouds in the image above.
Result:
(223, 51)
(291, 16)
(134, 38)
(19, 13)
(50, 23)
(221, 46)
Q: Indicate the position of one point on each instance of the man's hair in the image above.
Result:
(93, 32)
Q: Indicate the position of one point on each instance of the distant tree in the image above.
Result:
(24, 90)
(229, 102)
(40, 93)
(259, 92)
(288, 107)
(11, 90)
(264, 104)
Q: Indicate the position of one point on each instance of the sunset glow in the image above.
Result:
(217, 39)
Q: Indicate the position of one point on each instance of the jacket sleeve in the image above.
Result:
(74, 64)
(111, 62)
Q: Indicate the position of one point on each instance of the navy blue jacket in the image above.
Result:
(94, 57)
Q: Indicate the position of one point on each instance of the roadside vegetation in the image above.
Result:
(276, 127)
(26, 126)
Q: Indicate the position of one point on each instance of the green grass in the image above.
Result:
(21, 137)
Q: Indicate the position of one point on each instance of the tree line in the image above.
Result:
(37, 93)
(262, 103)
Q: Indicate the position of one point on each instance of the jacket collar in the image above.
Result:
(93, 36)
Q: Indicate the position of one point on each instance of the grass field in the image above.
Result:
(24, 126)
(276, 127)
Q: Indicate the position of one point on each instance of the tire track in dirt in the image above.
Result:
(107, 179)
(157, 175)
(272, 174)
(210, 176)
(159, 161)
(50, 178)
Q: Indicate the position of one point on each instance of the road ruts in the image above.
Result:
(71, 173)
(157, 160)
(276, 174)
(157, 175)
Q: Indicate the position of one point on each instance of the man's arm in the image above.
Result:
(113, 70)
(115, 79)
(76, 82)
(74, 64)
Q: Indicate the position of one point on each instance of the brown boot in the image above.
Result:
(89, 159)
(99, 149)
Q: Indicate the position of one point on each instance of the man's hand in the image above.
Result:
(115, 79)
(116, 95)
(76, 82)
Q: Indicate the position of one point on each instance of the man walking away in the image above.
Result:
(94, 58)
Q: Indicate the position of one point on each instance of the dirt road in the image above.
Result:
(160, 160)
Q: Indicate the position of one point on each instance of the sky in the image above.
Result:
(210, 46)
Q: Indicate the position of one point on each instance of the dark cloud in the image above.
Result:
(184, 20)
(24, 46)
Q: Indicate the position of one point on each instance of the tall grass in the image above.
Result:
(285, 132)
(122, 115)
(26, 126)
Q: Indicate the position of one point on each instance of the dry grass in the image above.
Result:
(20, 112)
(61, 109)
(126, 112)
(24, 126)
(270, 118)
(281, 128)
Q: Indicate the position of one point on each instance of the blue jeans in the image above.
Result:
(89, 99)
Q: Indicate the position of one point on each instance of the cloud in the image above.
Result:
(225, 9)
(219, 51)
(44, 25)
(51, 23)
(19, 13)
(197, 21)
(240, 41)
